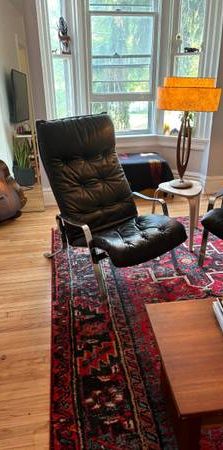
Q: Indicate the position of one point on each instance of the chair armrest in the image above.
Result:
(152, 199)
(85, 228)
(212, 199)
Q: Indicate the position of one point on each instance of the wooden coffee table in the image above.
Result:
(190, 342)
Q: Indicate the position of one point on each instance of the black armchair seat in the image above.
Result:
(213, 221)
(138, 239)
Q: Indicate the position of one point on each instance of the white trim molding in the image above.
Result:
(211, 183)
(48, 197)
(46, 60)
(132, 143)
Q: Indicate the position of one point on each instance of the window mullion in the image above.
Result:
(174, 32)
(121, 97)
(122, 93)
(46, 59)
(165, 52)
(121, 13)
(153, 69)
(79, 51)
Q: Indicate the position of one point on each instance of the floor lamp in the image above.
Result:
(187, 95)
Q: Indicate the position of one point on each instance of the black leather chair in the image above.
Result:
(94, 197)
(212, 222)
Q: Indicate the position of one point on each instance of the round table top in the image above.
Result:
(192, 191)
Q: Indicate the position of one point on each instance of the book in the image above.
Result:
(220, 305)
(218, 310)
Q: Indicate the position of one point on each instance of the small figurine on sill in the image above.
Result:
(63, 37)
(191, 50)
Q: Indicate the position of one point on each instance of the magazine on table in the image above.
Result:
(218, 310)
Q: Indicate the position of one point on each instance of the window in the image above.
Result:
(189, 39)
(62, 73)
(120, 65)
(187, 51)
(121, 61)
(120, 52)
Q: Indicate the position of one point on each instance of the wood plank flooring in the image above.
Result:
(25, 297)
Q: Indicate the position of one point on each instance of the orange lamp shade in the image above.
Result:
(188, 82)
(188, 94)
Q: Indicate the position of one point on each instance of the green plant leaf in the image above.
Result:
(22, 152)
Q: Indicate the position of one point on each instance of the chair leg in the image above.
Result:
(49, 255)
(174, 258)
(203, 247)
(95, 257)
(99, 274)
(63, 237)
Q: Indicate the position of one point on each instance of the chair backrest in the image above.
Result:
(82, 165)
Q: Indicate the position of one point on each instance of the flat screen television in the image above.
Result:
(20, 104)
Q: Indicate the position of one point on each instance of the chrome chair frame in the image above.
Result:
(95, 254)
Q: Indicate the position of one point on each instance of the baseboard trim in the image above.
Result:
(48, 197)
(135, 144)
(212, 184)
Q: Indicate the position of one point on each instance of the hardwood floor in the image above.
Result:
(25, 331)
(25, 297)
(34, 197)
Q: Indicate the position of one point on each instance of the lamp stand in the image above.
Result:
(183, 153)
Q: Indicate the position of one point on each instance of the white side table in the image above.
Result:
(193, 196)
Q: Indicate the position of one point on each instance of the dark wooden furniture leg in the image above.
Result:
(187, 429)
(188, 433)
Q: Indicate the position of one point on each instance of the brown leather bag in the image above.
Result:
(12, 198)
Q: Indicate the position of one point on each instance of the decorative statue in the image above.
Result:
(63, 37)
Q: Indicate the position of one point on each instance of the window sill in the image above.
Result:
(135, 143)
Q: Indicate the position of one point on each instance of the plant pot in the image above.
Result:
(24, 176)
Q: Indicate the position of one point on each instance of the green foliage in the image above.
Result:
(22, 153)
(116, 43)
(119, 111)
(192, 21)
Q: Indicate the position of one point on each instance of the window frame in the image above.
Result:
(209, 59)
(165, 26)
(142, 96)
(122, 97)
(176, 51)
(177, 5)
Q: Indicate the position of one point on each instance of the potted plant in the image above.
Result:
(22, 168)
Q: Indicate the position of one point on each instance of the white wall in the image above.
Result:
(35, 67)
(33, 49)
(11, 24)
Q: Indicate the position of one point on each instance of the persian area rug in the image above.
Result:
(105, 365)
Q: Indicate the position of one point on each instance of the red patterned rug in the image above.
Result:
(105, 365)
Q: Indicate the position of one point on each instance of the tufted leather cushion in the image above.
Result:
(213, 222)
(139, 239)
(83, 169)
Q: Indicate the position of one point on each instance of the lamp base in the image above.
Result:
(181, 184)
